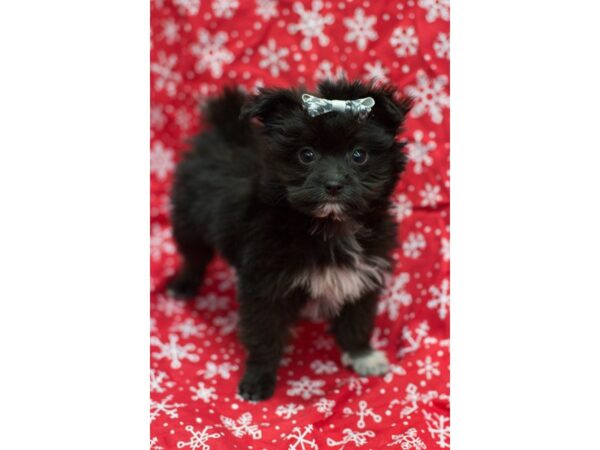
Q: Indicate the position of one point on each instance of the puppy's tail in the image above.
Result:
(222, 113)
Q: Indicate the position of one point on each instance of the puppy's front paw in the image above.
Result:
(256, 386)
(373, 362)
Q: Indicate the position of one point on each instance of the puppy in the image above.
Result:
(293, 191)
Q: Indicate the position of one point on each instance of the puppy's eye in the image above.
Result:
(359, 156)
(306, 155)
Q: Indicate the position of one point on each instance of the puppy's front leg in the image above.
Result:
(264, 329)
(353, 329)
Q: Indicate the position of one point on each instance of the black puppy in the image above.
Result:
(297, 201)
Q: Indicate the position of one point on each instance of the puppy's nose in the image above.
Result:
(333, 187)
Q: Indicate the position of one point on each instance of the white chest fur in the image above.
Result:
(331, 286)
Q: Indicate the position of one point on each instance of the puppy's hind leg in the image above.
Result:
(188, 279)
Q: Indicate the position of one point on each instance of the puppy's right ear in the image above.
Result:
(270, 105)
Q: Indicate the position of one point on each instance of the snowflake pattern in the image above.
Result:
(360, 29)
(413, 245)
(273, 58)
(404, 41)
(305, 388)
(408, 440)
(225, 8)
(211, 52)
(441, 299)
(242, 426)
(289, 410)
(165, 76)
(312, 24)
(174, 352)
(204, 393)
(395, 296)
(436, 9)
(300, 441)
(430, 96)
(198, 439)
(418, 152)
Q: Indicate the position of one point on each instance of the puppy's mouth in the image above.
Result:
(332, 209)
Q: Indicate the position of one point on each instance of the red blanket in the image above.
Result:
(196, 360)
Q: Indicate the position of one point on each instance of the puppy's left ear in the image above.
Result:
(269, 105)
(391, 108)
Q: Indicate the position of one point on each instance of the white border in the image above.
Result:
(525, 225)
(74, 132)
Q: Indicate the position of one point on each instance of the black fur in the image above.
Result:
(244, 192)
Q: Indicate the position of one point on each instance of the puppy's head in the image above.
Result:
(336, 164)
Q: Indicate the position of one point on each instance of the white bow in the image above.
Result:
(316, 106)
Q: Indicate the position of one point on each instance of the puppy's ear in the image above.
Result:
(390, 107)
(270, 104)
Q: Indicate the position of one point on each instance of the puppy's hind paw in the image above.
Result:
(183, 288)
(257, 386)
(373, 362)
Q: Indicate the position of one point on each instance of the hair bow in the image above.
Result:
(316, 106)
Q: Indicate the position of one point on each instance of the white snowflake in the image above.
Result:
(438, 426)
(360, 29)
(190, 6)
(362, 412)
(305, 387)
(435, 9)
(157, 116)
(183, 119)
(418, 151)
(430, 96)
(154, 444)
(223, 370)
(395, 296)
(441, 299)
(188, 328)
(356, 437)
(169, 306)
(289, 410)
(445, 250)
(430, 195)
(198, 439)
(160, 241)
(211, 52)
(407, 440)
(300, 438)
(227, 324)
(170, 31)
(266, 8)
(376, 72)
(355, 384)
(161, 161)
(212, 302)
(428, 367)
(405, 41)
(323, 343)
(401, 207)
(273, 58)
(311, 24)
(441, 46)
(173, 351)
(204, 393)
(243, 426)
(225, 8)
(158, 381)
(325, 71)
(167, 78)
(413, 398)
(325, 406)
(414, 342)
(169, 409)
(323, 367)
(395, 369)
(224, 278)
(413, 245)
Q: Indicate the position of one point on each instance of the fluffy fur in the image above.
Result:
(289, 202)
